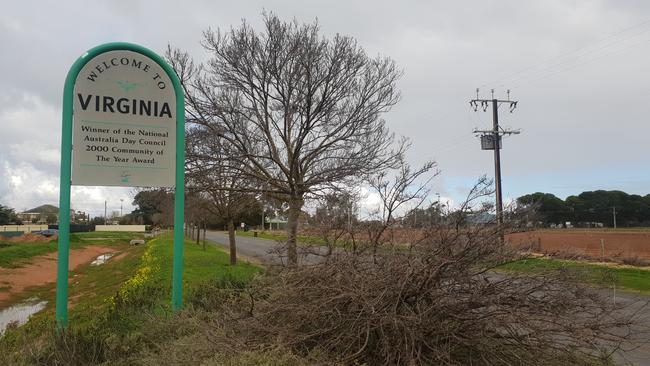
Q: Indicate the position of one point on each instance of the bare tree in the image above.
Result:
(299, 111)
(395, 192)
(210, 174)
(197, 212)
(335, 217)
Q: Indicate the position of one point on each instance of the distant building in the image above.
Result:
(277, 223)
(31, 217)
(40, 214)
(481, 218)
(78, 216)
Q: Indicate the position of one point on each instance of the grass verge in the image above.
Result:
(307, 240)
(626, 278)
(112, 303)
(310, 240)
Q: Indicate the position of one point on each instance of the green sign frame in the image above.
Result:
(65, 183)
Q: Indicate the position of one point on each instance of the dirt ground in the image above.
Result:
(596, 244)
(31, 238)
(42, 271)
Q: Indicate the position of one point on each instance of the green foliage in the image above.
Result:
(590, 207)
(97, 220)
(550, 208)
(128, 219)
(149, 203)
(7, 215)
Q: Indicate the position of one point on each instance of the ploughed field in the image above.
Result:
(609, 244)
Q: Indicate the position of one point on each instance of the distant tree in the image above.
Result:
(51, 219)
(97, 220)
(550, 209)
(127, 219)
(215, 180)
(336, 218)
(590, 207)
(598, 206)
(252, 214)
(645, 211)
(422, 217)
(7, 215)
(396, 189)
(299, 111)
(150, 202)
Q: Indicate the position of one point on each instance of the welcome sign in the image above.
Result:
(123, 125)
(124, 122)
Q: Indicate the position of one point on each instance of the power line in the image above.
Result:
(581, 59)
(571, 67)
(587, 50)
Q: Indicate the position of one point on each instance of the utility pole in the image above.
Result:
(614, 213)
(104, 212)
(121, 201)
(491, 140)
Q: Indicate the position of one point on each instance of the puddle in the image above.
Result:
(19, 313)
(102, 259)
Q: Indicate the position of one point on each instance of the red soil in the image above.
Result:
(597, 244)
(42, 271)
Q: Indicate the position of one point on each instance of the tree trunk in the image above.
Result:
(231, 238)
(204, 230)
(295, 205)
(198, 233)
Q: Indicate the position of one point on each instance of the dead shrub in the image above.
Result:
(571, 254)
(635, 261)
(436, 302)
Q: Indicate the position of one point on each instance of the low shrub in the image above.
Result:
(437, 303)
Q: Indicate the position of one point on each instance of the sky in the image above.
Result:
(579, 70)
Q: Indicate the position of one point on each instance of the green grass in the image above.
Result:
(199, 265)
(111, 303)
(307, 240)
(312, 240)
(632, 279)
(13, 255)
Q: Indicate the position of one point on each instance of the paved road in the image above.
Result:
(266, 251)
(263, 250)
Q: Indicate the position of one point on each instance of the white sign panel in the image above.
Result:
(124, 123)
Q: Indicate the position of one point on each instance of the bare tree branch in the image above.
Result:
(298, 111)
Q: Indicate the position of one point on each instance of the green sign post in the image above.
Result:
(123, 125)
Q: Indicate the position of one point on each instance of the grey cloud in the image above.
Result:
(586, 112)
